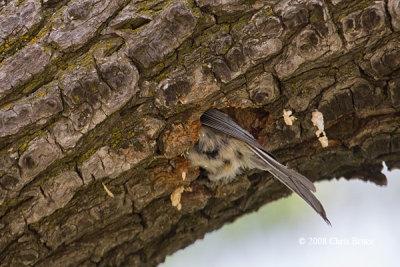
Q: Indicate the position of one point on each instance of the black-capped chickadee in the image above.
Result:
(225, 149)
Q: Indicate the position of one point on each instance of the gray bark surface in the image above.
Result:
(99, 100)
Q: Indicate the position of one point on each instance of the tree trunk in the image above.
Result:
(99, 99)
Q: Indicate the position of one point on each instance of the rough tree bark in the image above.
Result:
(110, 92)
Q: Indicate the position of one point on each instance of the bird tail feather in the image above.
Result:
(293, 180)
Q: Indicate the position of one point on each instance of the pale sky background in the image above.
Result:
(365, 231)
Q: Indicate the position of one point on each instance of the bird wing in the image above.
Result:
(223, 123)
(296, 182)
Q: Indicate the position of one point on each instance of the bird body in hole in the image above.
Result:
(225, 149)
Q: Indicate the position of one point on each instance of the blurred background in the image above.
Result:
(365, 231)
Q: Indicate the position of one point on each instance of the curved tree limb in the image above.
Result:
(98, 101)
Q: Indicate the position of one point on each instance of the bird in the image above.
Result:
(224, 150)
